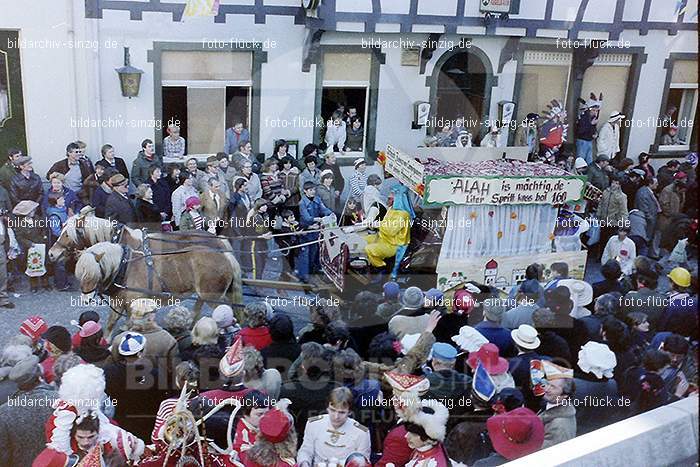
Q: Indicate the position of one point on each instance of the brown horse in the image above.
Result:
(126, 274)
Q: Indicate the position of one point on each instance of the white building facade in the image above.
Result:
(282, 69)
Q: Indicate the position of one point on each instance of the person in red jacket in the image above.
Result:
(406, 389)
(256, 333)
(426, 429)
(255, 406)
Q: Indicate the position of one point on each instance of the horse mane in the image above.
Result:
(97, 229)
(88, 267)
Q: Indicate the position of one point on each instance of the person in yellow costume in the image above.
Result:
(394, 232)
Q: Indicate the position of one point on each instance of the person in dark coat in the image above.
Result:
(284, 349)
(309, 392)
(162, 195)
(491, 329)
(118, 207)
(681, 317)
(110, 161)
(551, 343)
(9, 169)
(146, 210)
(645, 385)
(102, 192)
(92, 348)
(132, 383)
(527, 344)
(178, 322)
(598, 172)
(25, 184)
(611, 283)
(594, 381)
(445, 382)
(666, 173)
(645, 200)
(65, 167)
(646, 297)
(22, 419)
(330, 163)
(617, 336)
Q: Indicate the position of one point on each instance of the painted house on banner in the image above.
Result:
(283, 66)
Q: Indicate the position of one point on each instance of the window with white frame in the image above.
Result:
(207, 92)
(678, 120)
(345, 92)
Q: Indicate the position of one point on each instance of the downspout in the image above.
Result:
(97, 66)
(73, 70)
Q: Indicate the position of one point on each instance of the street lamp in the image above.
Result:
(129, 77)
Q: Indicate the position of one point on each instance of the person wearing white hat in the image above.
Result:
(581, 166)
(527, 342)
(594, 381)
(426, 430)
(581, 294)
(227, 324)
(586, 128)
(358, 180)
(469, 339)
(608, 141)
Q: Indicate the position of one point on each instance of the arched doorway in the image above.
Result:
(462, 88)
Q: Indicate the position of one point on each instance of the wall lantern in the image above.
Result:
(129, 77)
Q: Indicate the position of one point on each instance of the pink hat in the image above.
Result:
(33, 327)
(90, 328)
(489, 358)
(191, 202)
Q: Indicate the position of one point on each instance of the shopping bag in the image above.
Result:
(36, 260)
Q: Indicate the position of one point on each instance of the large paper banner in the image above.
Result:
(503, 190)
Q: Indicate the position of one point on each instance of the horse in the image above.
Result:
(125, 274)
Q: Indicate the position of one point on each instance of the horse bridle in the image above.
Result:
(117, 231)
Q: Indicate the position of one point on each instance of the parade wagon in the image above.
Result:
(488, 212)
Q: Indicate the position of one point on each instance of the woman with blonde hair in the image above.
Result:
(206, 352)
(255, 376)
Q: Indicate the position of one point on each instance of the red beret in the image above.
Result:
(275, 426)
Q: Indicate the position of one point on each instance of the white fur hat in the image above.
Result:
(83, 386)
(469, 339)
(598, 359)
(432, 417)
